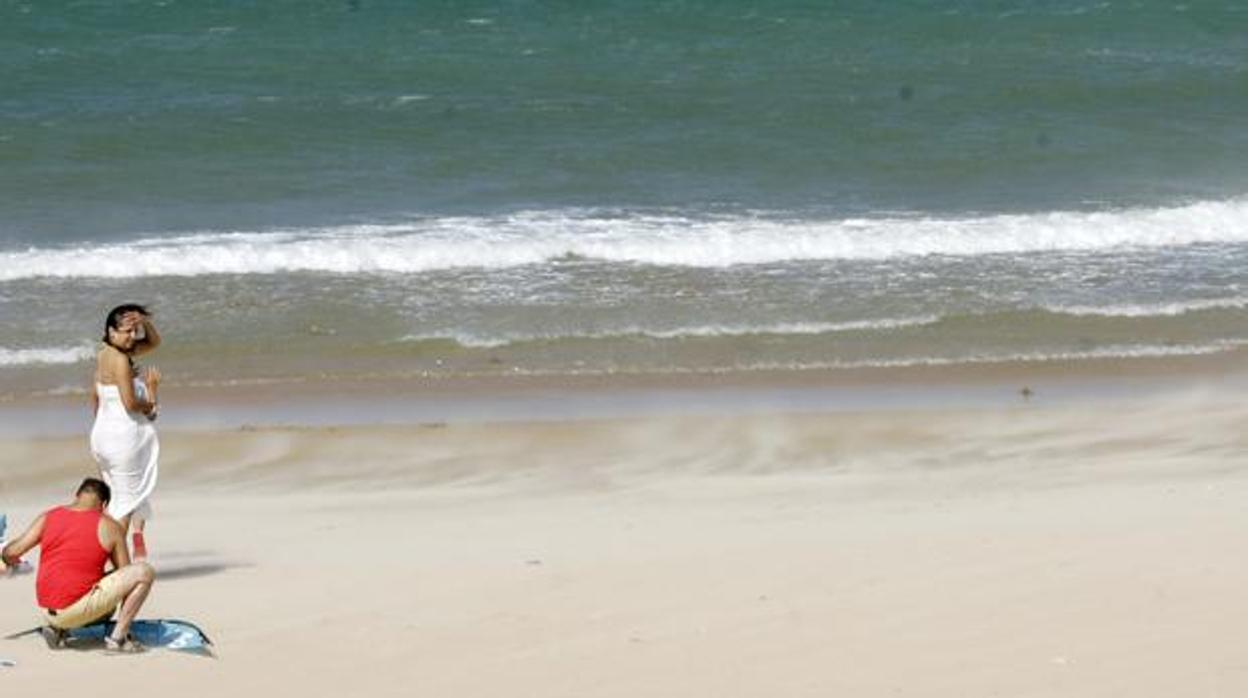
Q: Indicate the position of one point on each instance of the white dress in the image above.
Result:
(125, 446)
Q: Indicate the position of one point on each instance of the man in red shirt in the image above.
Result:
(76, 542)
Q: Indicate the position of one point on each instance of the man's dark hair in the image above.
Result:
(97, 487)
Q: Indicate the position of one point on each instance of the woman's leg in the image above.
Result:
(140, 542)
(125, 532)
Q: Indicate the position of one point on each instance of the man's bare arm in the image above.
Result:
(13, 552)
(114, 541)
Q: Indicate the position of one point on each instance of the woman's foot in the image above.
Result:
(126, 645)
(140, 547)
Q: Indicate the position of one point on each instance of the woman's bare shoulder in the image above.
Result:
(111, 363)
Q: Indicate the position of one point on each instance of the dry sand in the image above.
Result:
(1025, 550)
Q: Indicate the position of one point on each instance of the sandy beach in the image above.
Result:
(1089, 548)
(698, 349)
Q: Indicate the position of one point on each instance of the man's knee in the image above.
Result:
(147, 573)
(140, 573)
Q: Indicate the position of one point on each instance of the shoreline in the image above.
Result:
(914, 426)
(418, 399)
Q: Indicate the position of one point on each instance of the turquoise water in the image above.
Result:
(122, 118)
(601, 186)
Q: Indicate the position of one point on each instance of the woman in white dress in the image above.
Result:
(123, 438)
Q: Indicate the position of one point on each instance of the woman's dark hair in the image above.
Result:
(113, 321)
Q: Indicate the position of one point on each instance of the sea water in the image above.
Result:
(375, 188)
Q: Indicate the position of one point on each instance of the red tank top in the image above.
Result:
(71, 559)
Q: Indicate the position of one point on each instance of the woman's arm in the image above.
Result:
(95, 394)
(116, 367)
(151, 378)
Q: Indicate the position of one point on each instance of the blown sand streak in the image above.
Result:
(1090, 550)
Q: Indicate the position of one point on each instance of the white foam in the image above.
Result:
(1123, 351)
(1140, 351)
(1152, 310)
(63, 390)
(44, 355)
(536, 237)
(698, 331)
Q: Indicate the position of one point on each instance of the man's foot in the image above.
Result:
(140, 547)
(126, 645)
(55, 637)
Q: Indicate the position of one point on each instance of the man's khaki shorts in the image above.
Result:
(97, 604)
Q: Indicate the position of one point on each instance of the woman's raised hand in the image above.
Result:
(133, 319)
(137, 323)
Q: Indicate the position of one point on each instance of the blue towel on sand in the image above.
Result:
(167, 634)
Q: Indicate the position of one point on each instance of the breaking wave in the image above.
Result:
(495, 242)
